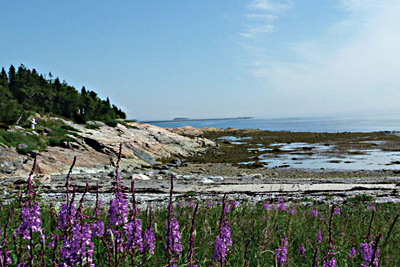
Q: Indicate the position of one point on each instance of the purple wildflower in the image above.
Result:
(336, 211)
(275, 207)
(222, 242)
(302, 250)
(98, 229)
(266, 206)
(149, 240)
(353, 253)
(66, 216)
(235, 203)
(329, 260)
(371, 206)
(5, 259)
(319, 237)
(174, 238)
(281, 252)
(119, 209)
(209, 205)
(292, 211)
(77, 250)
(282, 206)
(133, 232)
(314, 213)
(367, 251)
(227, 208)
(30, 221)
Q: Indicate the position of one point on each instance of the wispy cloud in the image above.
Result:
(261, 16)
(353, 65)
(270, 5)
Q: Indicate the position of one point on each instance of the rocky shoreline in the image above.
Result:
(96, 149)
(151, 155)
(152, 187)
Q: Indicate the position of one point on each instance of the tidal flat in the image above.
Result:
(299, 154)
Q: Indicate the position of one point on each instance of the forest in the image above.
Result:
(24, 91)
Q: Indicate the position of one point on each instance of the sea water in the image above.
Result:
(390, 122)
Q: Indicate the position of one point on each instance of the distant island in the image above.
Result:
(179, 119)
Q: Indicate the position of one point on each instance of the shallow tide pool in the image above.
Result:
(320, 156)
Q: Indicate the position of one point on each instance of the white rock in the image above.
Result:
(206, 181)
(139, 177)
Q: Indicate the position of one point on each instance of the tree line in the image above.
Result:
(23, 91)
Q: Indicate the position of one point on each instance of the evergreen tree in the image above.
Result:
(3, 78)
(26, 90)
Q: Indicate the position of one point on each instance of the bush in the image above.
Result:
(111, 123)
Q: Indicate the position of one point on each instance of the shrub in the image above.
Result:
(111, 123)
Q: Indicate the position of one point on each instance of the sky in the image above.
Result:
(211, 59)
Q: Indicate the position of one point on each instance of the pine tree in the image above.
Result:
(3, 78)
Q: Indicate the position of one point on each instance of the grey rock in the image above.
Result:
(216, 178)
(9, 170)
(206, 181)
(176, 162)
(22, 146)
(166, 173)
(65, 144)
(6, 164)
(18, 162)
(43, 179)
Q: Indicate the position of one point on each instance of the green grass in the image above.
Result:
(57, 133)
(92, 126)
(12, 139)
(264, 229)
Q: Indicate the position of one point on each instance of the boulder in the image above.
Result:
(140, 177)
(206, 181)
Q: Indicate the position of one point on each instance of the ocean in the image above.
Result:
(390, 122)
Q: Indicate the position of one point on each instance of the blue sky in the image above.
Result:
(226, 58)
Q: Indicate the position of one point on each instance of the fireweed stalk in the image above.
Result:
(329, 260)
(133, 230)
(5, 258)
(117, 217)
(98, 225)
(77, 246)
(191, 240)
(173, 235)
(149, 237)
(223, 240)
(370, 252)
(281, 252)
(67, 223)
(30, 223)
